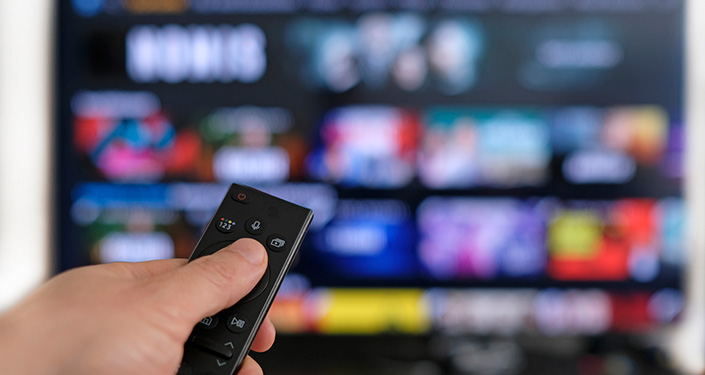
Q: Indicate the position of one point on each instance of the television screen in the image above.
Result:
(475, 167)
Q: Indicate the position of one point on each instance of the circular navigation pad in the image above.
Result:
(258, 289)
(261, 285)
(213, 248)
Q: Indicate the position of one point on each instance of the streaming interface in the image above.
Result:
(474, 166)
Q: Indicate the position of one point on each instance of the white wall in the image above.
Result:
(687, 344)
(25, 29)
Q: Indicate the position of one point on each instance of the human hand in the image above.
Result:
(128, 318)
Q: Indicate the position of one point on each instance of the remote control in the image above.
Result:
(219, 343)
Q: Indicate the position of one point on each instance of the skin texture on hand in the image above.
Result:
(128, 318)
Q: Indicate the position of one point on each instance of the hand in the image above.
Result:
(128, 318)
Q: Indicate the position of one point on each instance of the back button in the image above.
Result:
(208, 322)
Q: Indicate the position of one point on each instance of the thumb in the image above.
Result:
(214, 282)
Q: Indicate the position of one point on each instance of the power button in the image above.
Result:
(241, 196)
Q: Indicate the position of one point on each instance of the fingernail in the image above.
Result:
(254, 253)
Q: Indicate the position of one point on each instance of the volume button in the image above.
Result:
(213, 347)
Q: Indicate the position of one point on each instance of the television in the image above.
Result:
(478, 168)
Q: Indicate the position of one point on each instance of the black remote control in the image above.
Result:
(219, 343)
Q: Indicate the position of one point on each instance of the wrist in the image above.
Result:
(12, 344)
(23, 348)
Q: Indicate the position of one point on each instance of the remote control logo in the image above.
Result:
(207, 321)
(256, 225)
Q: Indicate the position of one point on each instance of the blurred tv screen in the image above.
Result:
(474, 166)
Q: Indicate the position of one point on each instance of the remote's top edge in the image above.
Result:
(237, 186)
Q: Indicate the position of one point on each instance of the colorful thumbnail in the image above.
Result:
(488, 239)
(371, 146)
(367, 239)
(609, 146)
(629, 239)
(382, 50)
(464, 148)
(128, 137)
(480, 311)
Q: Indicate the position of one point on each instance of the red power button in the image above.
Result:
(241, 197)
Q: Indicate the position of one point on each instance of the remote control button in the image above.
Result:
(258, 289)
(237, 323)
(225, 225)
(276, 242)
(241, 196)
(255, 225)
(184, 369)
(208, 322)
(220, 364)
(222, 351)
